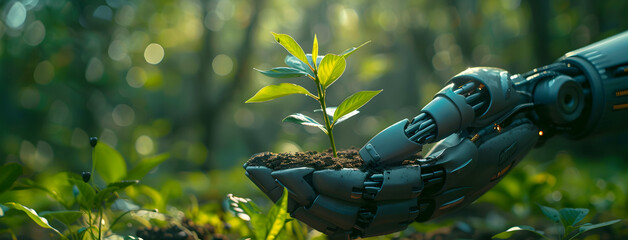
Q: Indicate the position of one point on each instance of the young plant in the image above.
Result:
(324, 71)
(277, 224)
(88, 214)
(568, 217)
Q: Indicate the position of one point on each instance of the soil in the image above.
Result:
(347, 158)
(174, 232)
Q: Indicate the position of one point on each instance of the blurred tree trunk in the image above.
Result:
(462, 25)
(211, 111)
(539, 12)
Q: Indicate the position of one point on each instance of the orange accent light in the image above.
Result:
(540, 133)
(621, 92)
(620, 106)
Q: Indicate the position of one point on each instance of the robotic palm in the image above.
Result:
(485, 121)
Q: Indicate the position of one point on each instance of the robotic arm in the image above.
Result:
(485, 121)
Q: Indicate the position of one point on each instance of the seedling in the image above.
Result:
(277, 224)
(91, 220)
(568, 217)
(324, 71)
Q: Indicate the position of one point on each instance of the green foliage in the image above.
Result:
(304, 120)
(108, 162)
(94, 203)
(67, 217)
(568, 217)
(276, 91)
(508, 233)
(331, 68)
(291, 46)
(277, 217)
(283, 72)
(354, 102)
(276, 224)
(32, 214)
(8, 174)
(146, 165)
(324, 74)
(350, 51)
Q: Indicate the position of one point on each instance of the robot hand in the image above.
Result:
(485, 121)
(351, 202)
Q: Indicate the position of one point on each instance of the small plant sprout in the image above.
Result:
(567, 217)
(324, 71)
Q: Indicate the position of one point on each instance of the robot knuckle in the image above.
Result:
(345, 184)
(336, 212)
(294, 181)
(396, 183)
(261, 177)
(392, 217)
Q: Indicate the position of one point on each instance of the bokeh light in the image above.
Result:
(108, 136)
(103, 12)
(36, 157)
(79, 138)
(154, 53)
(222, 65)
(123, 115)
(35, 33)
(144, 145)
(125, 15)
(16, 15)
(136, 77)
(95, 70)
(44, 72)
(117, 50)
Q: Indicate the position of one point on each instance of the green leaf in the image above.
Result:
(283, 72)
(318, 60)
(247, 210)
(508, 233)
(146, 165)
(350, 51)
(154, 195)
(8, 174)
(305, 120)
(104, 194)
(551, 213)
(330, 113)
(276, 91)
(315, 50)
(277, 216)
(82, 231)
(2, 210)
(588, 227)
(108, 162)
(86, 193)
(291, 45)
(571, 216)
(354, 102)
(32, 214)
(294, 62)
(66, 217)
(331, 68)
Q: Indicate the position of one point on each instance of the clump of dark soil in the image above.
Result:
(174, 232)
(347, 158)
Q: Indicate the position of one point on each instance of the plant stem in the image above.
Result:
(99, 223)
(321, 99)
